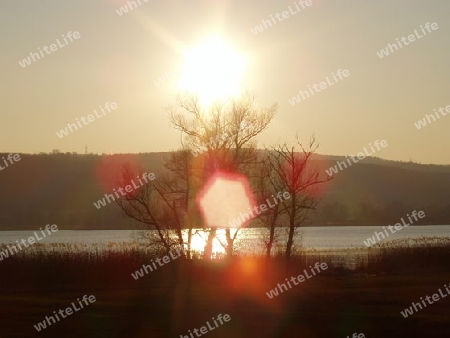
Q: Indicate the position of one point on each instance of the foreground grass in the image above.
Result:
(183, 295)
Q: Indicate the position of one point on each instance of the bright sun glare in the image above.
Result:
(198, 242)
(212, 70)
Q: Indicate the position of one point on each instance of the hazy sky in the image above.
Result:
(118, 58)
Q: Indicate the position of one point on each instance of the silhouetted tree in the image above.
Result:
(222, 137)
(295, 174)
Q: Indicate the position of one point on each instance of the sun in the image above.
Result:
(212, 70)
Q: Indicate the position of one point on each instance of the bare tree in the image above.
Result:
(294, 173)
(262, 178)
(143, 205)
(176, 189)
(223, 135)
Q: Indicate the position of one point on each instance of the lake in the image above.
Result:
(336, 237)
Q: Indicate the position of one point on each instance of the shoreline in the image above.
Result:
(328, 225)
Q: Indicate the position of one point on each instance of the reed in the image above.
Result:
(111, 264)
(409, 255)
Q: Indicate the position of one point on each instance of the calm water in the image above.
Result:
(314, 237)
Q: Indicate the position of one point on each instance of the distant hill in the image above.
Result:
(61, 189)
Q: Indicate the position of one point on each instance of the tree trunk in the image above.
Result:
(272, 233)
(209, 244)
(230, 241)
(290, 240)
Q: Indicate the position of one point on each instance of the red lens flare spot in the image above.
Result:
(109, 170)
(224, 198)
(300, 171)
